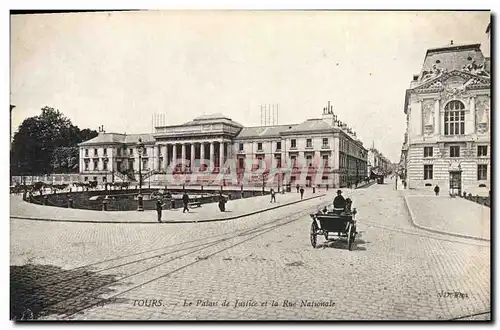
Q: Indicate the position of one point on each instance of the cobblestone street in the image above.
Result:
(258, 267)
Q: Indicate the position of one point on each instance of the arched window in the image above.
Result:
(454, 118)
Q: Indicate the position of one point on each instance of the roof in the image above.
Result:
(114, 138)
(212, 119)
(263, 131)
(452, 57)
(311, 125)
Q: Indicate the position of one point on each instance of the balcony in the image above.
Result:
(325, 146)
(241, 152)
(260, 151)
(277, 150)
(293, 148)
(309, 146)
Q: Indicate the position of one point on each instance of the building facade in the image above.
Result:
(377, 162)
(322, 151)
(447, 107)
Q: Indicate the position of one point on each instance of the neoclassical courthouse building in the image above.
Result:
(318, 151)
(448, 118)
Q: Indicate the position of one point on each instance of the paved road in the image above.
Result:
(263, 266)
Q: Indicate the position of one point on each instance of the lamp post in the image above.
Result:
(140, 150)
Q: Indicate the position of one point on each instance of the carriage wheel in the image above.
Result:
(350, 236)
(314, 229)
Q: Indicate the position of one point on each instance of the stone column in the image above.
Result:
(221, 155)
(156, 156)
(192, 156)
(174, 154)
(202, 152)
(212, 150)
(183, 156)
(470, 117)
(437, 120)
(419, 114)
(164, 153)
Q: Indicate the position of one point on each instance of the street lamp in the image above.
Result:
(140, 150)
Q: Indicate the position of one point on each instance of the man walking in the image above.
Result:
(159, 208)
(185, 201)
(273, 196)
(297, 189)
(436, 190)
(301, 193)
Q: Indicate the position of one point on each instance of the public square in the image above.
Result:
(263, 263)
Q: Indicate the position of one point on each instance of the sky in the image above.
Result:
(118, 69)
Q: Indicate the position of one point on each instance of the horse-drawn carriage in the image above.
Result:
(340, 221)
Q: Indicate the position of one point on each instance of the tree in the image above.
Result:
(37, 139)
(65, 160)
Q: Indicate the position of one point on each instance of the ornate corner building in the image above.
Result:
(447, 107)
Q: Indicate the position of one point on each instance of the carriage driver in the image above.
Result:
(339, 202)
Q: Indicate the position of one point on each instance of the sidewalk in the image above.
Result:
(454, 216)
(207, 212)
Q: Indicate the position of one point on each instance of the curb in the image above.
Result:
(169, 222)
(415, 224)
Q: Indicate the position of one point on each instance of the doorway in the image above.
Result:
(456, 183)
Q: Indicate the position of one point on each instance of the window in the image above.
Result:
(454, 151)
(482, 172)
(86, 165)
(293, 160)
(428, 151)
(96, 165)
(85, 178)
(309, 143)
(118, 152)
(482, 151)
(278, 161)
(454, 118)
(95, 178)
(105, 165)
(309, 160)
(241, 163)
(294, 143)
(259, 146)
(105, 153)
(428, 172)
(86, 152)
(325, 160)
(325, 142)
(240, 147)
(144, 164)
(278, 145)
(131, 151)
(95, 152)
(104, 179)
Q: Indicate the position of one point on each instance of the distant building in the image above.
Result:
(377, 162)
(447, 107)
(321, 151)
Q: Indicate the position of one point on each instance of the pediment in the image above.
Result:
(454, 79)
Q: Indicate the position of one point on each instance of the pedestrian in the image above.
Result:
(314, 189)
(273, 196)
(404, 184)
(301, 193)
(297, 188)
(222, 202)
(159, 208)
(185, 201)
(436, 190)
